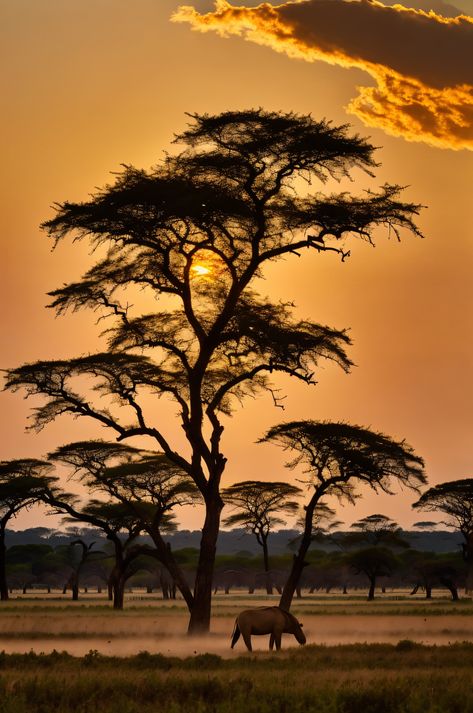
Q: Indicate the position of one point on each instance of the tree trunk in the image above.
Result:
(3, 572)
(451, 586)
(468, 557)
(199, 622)
(119, 592)
(165, 556)
(298, 562)
(372, 588)
(269, 585)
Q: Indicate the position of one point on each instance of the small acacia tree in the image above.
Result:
(337, 457)
(455, 500)
(22, 484)
(374, 537)
(144, 488)
(199, 228)
(258, 506)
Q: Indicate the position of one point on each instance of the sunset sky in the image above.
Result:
(89, 85)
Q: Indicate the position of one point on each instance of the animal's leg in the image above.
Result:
(247, 639)
(271, 642)
(277, 639)
(236, 635)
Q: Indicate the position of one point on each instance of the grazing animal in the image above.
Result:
(266, 620)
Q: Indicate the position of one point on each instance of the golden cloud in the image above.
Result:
(421, 61)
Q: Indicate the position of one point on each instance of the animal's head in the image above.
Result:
(298, 633)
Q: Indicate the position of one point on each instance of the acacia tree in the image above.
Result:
(375, 530)
(144, 488)
(374, 536)
(258, 506)
(199, 229)
(22, 484)
(455, 500)
(337, 457)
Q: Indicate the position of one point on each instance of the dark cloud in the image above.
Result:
(421, 61)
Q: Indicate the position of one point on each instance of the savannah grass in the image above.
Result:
(378, 678)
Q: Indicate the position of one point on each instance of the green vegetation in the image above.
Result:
(406, 678)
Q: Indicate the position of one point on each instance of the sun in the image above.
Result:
(200, 270)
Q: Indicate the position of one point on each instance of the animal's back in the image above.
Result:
(260, 621)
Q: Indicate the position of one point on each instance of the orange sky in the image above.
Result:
(89, 85)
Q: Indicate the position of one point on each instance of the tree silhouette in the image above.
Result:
(376, 530)
(142, 495)
(337, 457)
(455, 500)
(257, 508)
(197, 230)
(374, 536)
(22, 484)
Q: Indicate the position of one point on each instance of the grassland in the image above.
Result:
(406, 678)
(173, 673)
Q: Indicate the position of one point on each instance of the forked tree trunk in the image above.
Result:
(199, 622)
(166, 558)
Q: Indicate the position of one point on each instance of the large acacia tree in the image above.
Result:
(198, 229)
(338, 457)
(455, 500)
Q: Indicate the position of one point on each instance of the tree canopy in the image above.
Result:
(455, 500)
(22, 484)
(192, 234)
(336, 457)
(258, 506)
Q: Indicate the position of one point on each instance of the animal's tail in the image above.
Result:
(235, 634)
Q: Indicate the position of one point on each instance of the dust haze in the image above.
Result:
(142, 629)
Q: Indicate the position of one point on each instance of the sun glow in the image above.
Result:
(200, 270)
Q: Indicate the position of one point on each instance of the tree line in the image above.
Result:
(192, 237)
(372, 555)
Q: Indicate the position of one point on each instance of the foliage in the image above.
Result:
(455, 500)
(198, 229)
(336, 458)
(256, 504)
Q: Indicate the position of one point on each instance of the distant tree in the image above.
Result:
(145, 488)
(258, 506)
(199, 229)
(425, 525)
(337, 457)
(22, 484)
(373, 562)
(429, 570)
(26, 563)
(455, 500)
(377, 530)
(374, 537)
(76, 555)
